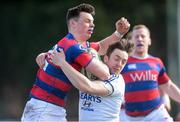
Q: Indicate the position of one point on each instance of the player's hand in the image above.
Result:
(122, 26)
(57, 56)
(40, 59)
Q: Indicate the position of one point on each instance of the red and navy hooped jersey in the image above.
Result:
(142, 77)
(51, 84)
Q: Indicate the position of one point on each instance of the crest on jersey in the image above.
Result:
(82, 48)
(132, 66)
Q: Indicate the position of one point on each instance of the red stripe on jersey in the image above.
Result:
(45, 96)
(149, 60)
(141, 96)
(84, 58)
(52, 81)
(76, 66)
(163, 79)
(95, 45)
(66, 43)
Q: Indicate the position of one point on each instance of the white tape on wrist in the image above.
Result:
(119, 35)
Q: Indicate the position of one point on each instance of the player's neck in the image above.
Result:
(140, 55)
(78, 37)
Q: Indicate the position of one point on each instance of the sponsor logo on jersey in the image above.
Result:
(92, 98)
(87, 103)
(87, 109)
(144, 76)
(132, 66)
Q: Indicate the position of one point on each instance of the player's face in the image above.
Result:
(116, 61)
(141, 39)
(85, 26)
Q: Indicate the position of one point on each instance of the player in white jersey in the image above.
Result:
(99, 100)
(103, 108)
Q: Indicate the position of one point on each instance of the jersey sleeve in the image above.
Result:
(78, 54)
(110, 84)
(95, 45)
(109, 87)
(163, 77)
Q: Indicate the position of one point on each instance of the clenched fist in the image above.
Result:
(122, 26)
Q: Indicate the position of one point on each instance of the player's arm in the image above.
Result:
(96, 67)
(172, 90)
(77, 79)
(166, 100)
(122, 27)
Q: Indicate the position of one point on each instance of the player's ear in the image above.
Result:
(149, 41)
(72, 22)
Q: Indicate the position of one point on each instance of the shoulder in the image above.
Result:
(115, 80)
(156, 60)
(95, 45)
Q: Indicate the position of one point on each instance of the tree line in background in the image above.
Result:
(30, 27)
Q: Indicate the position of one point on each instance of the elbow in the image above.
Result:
(85, 85)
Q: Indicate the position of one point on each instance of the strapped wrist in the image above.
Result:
(119, 35)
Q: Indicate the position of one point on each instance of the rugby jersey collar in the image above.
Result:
(70, 36)
(138, 57)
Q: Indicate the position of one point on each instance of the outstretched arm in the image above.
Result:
(77, 79)
(122, 27)
(172, 90)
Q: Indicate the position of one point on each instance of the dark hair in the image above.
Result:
(123, 45)
(75, 11)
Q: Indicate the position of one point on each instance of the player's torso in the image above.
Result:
(141, 89)
(93, 107)
(51, 84)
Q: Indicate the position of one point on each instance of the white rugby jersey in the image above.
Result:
(103, 108)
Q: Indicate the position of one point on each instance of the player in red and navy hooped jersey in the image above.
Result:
(51, 84)
(48, 95)
(144, 75)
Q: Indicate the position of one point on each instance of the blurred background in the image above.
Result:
(29, 27)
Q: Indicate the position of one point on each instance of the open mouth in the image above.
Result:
(90, 31)
(139, 45)
(116, 69)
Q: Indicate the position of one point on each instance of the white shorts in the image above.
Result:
(157, 115)
(41, 111)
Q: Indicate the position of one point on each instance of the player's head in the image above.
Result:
(74, 12)
(117, 55)
(80, 21)
(141, 39)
